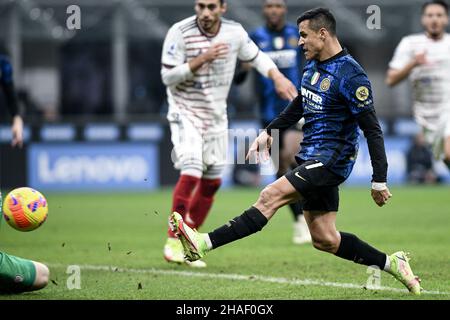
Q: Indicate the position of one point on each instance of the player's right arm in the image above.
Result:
(290, 116)
(175, 68)
(6, 81)
(403, 62)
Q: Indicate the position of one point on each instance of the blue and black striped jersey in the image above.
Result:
(334, 92)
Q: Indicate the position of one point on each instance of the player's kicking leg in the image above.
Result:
(290, 142)
(321, 223)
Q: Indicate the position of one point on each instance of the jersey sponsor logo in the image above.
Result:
(315, 78)
(325, 84)
(362, 93)
(311, 95)
(278, 43)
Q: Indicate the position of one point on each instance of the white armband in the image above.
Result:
(379, 186)
(263, 64)
(176, 75)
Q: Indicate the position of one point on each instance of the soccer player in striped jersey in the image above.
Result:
(425, 59)
(17, 274)
(198, 63)
(336, 98)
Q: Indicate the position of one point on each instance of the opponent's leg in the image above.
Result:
(202, 201)
(214, 155)
(187, 157)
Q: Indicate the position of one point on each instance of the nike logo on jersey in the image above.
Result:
(299, 176)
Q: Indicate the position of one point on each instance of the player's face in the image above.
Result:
(209, 13)
(310, 41)
(274, 12)
(435, 20)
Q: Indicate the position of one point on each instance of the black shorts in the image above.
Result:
(317, 185)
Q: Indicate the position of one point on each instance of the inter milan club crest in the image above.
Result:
(278, 43)
(325, 84)
(315, 78)
(362, 93)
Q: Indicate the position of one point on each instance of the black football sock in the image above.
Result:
(352, 248)
(296, 209)
(251, 221)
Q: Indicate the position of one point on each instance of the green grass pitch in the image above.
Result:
(103, 232)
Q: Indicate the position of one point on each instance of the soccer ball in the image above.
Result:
(25, 209)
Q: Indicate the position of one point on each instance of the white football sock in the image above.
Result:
(387, 266)
(208, 241)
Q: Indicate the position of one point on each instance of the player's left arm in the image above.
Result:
(358, 93)
(249, 52)
(370, 126)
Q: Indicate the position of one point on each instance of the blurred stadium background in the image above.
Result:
(95, 121)
(95, 93)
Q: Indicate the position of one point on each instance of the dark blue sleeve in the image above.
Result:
(6, 73)
(356, 91)
(289, 116)
(6, 82)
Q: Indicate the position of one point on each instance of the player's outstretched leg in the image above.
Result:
(289, 147)
(401, 270)
(348, 246)
(271, 198)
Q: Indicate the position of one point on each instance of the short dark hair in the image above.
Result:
(438, 2)
(319, 18)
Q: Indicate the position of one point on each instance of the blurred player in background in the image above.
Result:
(17, 274)
(425, 59)
(279, 40)
(336, 99)
(198, 63)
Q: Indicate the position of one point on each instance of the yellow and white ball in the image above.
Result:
(25, 209)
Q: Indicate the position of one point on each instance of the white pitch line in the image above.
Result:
(298, 282)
